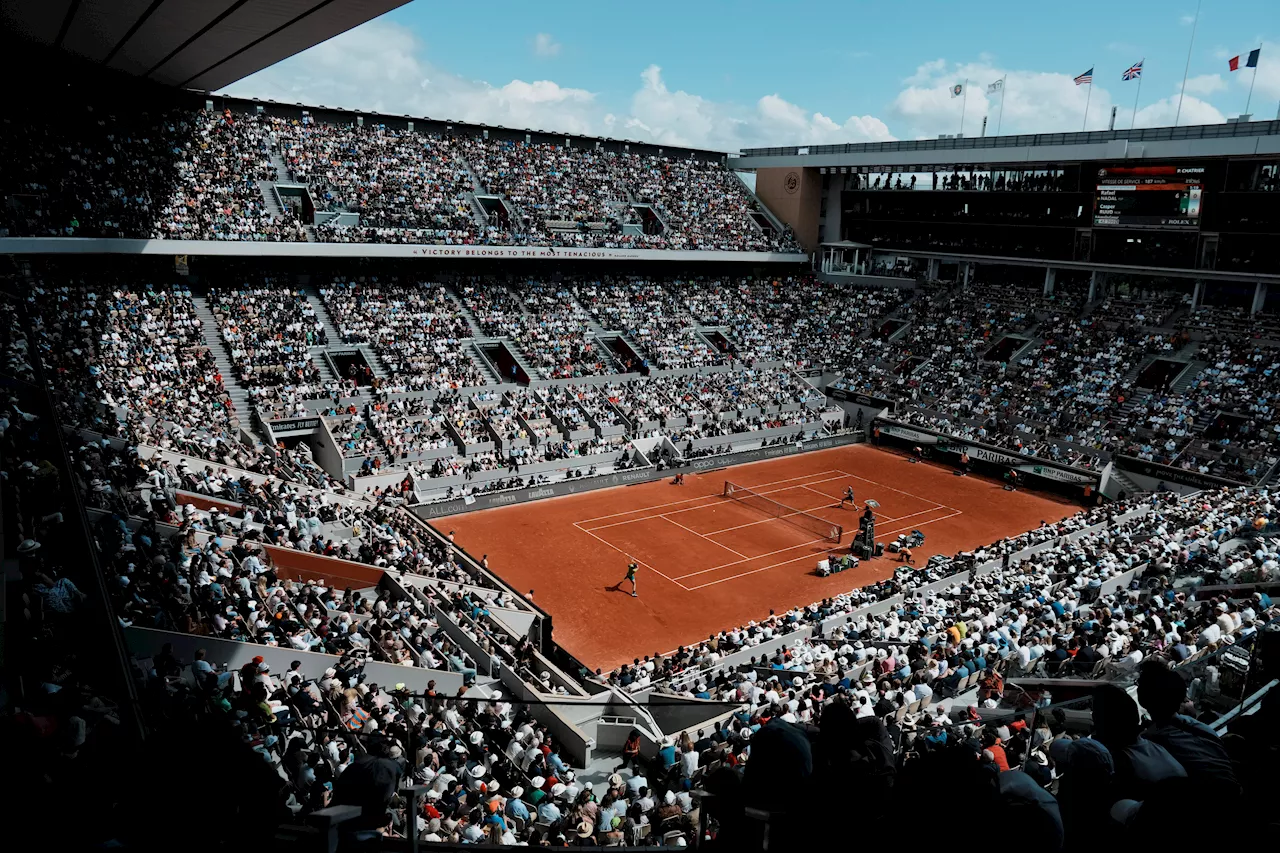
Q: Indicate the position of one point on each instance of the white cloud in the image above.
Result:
(545, 46)
(1206, 84)
(1163, 112)
(1187, 20)
(382, 67)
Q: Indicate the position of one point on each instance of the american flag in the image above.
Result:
(1086, 77)
(1135, 70)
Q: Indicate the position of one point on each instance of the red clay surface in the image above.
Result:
(708, 563)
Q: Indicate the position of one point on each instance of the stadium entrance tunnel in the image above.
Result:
(505, 362)
(1226, 425)
(1004, 348)
(721, 343)
(627, 357)
(1161, 373)
(650, 222)
(909, 366)
(889, 328)
(495, 210)
(351, 364)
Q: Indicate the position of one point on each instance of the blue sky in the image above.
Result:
(729, 75)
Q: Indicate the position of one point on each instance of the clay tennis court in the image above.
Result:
(709, 563)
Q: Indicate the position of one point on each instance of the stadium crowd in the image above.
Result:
(208, 174)
(1109, 593)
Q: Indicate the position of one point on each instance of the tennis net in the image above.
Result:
(796, 517)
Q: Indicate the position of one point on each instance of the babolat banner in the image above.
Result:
(1173, 475)
(472, 503)
(860, 399)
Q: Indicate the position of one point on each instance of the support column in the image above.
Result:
(1093, 286)
(1198, 294)
(967, 268)
(1259, 297)
(1050, 275)
(934, 266)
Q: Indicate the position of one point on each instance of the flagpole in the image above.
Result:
(964, 101)
(1085, 125)
(1251, 82)
(1136, 94)
(1004, 84)
(1187, 67)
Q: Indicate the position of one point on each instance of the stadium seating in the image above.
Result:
(210, 175)
(199, 528)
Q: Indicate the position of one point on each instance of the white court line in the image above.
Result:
(704, 497)
(805, 544)
(796, 559)
(702, 536)
(816, 492)
(686, 509)
(638, 561)
(799, 511)
(914, 514)
(899, 491)
(757, 557)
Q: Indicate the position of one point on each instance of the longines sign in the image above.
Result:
(622, 478)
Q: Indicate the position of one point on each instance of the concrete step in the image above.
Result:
(322, 314)
(375, 363)
(1130, 487)
(1188, 377)
(271, 199)
(486, 367)
(212, 334)
(282, 168)
(472, 323)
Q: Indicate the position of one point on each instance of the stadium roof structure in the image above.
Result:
(193, 44)
(1203, 140)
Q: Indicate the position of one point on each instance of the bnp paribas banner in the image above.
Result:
(979, 453)
(1050, 472)
(1059, 474)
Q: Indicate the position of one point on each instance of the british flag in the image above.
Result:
(1135, 70)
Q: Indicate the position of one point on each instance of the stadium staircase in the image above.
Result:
(477, 209)
(271, 199)
(282, 168)
(222, 357)
(760, 206)
(472, 323)
(601, 332)
(490, 372)
(336, 341)
(477, 337)
(1130, 487)
(521, 359)
(1188, 376)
